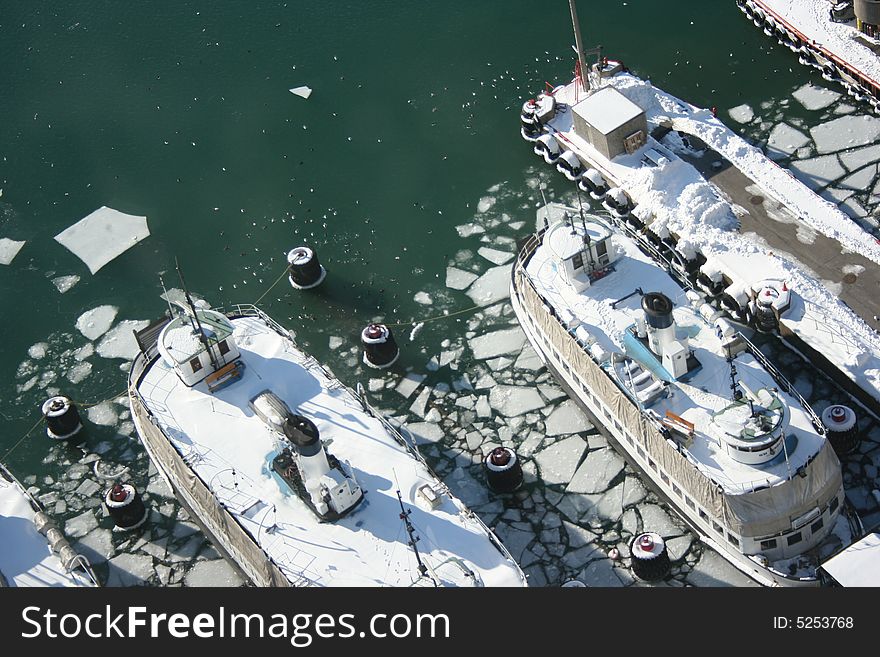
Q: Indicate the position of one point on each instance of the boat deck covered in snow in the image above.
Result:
(292, 474)
(695, 407)
(826, 35)
(34, 551)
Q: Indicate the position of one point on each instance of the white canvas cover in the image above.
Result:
(103, 235)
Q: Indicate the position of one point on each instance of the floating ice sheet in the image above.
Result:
(459, 279)
(9, 249)
(494, 256)
(819, 171)
(64, 283)
(104, 414)
(129, 570)
(492, 286)
(302, 92)
(597, 472)
(845, 132)
(815, 98)
(119, 342)
(741, 113)
(785, 140)
(212, 573)
(559, 461)
(96, 322)
(425, 432)
(567, 418)
(497, 343)
(102, 236)
(514, 400)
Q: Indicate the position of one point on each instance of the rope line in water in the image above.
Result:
(21, 440)
(432, 319)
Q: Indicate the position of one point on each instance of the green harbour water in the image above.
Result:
(180, 111)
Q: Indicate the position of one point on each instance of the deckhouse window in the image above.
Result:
(195, 364)
(832, 506)
(223, 347)
(816, 526)
(794, 538)
(733, 540)
(768, 545)
(578, 260)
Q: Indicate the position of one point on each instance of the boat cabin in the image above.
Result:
(610, 122)
(198, 347)
(582, 250)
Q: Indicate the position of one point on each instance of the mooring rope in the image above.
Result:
(271, 286)
(432, 319)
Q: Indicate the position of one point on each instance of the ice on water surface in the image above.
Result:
(511, 401)
(104, 414)
(302, 92)
(213, 573)
(130, 570)
(494, 256)
(492, 286)
(845, 132)
(498, 342)
(819, 171)
(559, 461)
(741, 113)
(458, 279)
(64, 283)
(566, 418)
(119, 342)
(96, 322)
(785, 140)
(9, 249)
(102, 236)
(815, 98)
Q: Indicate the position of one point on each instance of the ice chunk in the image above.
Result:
(97, 547)
(302, 92)
(425, 432)
(497, 343)
(420, 403)
(597, 472)
(815, 98)
(84, 352)
(741, 113)
(559, 461)
(845, 132)
(466, 230)
(858, 158)
(494, 256)
(511, 401)
(785, 140)
(119, 342)
(375, 385)
(861, 179)
(567, 418)
(335, 342)
(485, 203)
(515, 540)
(458, 279)
(656, 519)
(64, 283)
(96, 322)
(409, 383)
(819, 171)
(213, 573)
(9, 249)
(483, 409)
(492, 286)
(80, 525)
(528, 360)
(103, 414)
(423, 298)
(130, 570)
(602, 573)
(103, 235)
(38, 351)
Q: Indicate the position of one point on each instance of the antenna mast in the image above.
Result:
(582, 64)
(202, 337)
(413, 539)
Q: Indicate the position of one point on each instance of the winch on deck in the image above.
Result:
(316, 476)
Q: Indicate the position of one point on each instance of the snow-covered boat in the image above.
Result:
(293, 476)
(639, 147)
(693, 405)
(34, 551)
(840, 39)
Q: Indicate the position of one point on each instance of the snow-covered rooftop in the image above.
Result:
(607, 109)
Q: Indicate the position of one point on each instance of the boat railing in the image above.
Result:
(783, 383)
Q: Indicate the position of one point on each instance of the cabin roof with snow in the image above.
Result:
(607, 109)
(566, 240)
(179, 340)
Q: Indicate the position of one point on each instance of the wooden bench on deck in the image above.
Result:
(225, 375)
(678, 424)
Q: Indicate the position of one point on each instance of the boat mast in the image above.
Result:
(582, 64)
(202, 337)
(413, 539)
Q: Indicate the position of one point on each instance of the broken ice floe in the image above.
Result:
(409, 383)
(119, 342)
(104, 414)
(566, 418)
(818, 172)
(213, 573)
(741, 113)
(64, 283)
(494, 256)
(96, 322)
(102, 236)
(9, 249)
(302, 92)
(815, 98)
(559, 461)
(498, 342)
(492, 286)
(423, 298)
(845, 132)
(785, 140)
(458, 279)
(425, 432)
(511, 401)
